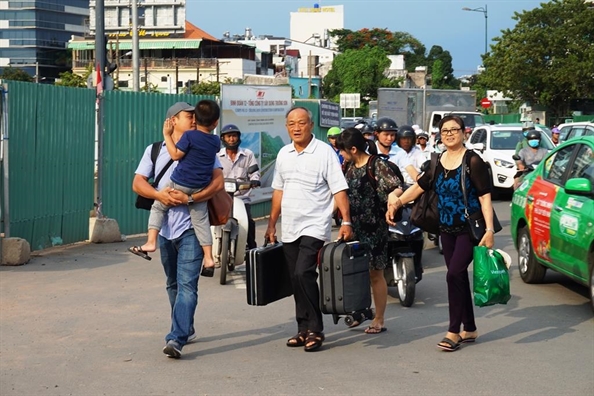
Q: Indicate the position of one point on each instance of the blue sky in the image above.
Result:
(437, 22)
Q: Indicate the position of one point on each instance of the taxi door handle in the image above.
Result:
(558, 208)
(530, 198)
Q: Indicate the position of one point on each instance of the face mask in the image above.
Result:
(533, 143)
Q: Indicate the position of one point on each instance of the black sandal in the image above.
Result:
(314, 341)
(297, 340)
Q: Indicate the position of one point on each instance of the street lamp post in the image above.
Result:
(484, 11)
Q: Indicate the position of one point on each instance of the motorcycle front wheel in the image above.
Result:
(225, 245)
(405, 280)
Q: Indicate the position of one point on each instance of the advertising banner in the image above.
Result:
(259, 112)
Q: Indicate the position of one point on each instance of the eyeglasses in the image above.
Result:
(452, 131)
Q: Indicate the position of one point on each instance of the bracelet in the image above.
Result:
(490, 229)
(346, 223)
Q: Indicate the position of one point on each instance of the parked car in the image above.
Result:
(575, 129)
(496, 144)
(552, 215)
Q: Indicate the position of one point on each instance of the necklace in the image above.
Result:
(447, 171)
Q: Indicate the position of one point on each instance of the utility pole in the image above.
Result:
(176, 76)
(37, 72)
(100, 52)
(135, 48)
(218, 69)
(145, 75)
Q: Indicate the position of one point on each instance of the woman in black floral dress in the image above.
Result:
(368, 202)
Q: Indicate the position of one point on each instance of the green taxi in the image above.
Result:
(552, 215)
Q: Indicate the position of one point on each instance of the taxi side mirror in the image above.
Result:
(579, 186)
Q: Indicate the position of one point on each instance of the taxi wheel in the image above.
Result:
(531, 270)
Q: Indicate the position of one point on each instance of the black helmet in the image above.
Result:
(386, 124)
(364, 127)
(406, 131)
(533, 134)
(228, 129)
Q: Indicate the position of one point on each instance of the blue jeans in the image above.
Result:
(182, 261)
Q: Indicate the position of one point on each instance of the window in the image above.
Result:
(583, 166)
(480, 136)
(556, 165)
(123, 84)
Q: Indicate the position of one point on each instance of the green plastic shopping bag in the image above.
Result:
(490, 277)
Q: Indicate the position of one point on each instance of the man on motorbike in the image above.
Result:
(331, 136)
(385, 135)
(410, 158)
(239, 163)
(530, 155)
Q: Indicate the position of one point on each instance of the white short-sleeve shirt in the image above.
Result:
(308, 180)
(414, 157)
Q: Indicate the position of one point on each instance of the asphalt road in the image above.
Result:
(90, 320)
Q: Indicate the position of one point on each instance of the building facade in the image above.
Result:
(311, 25)
(34, 35)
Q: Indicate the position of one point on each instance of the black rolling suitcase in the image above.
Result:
(345, 288)
(267, 275)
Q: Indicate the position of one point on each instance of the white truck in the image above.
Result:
(426, 107)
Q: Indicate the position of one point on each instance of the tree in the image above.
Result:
(69, 79)
(12, 73)
(396, 43)
(358, 71)
(547, 58)
(206, 88)
(445, 78)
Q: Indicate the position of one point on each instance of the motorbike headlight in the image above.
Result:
(503, 163)
(230, 187)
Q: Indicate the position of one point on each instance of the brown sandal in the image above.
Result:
(297, 340)
(314, 341)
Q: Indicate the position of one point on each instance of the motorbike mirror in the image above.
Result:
(252, 169)
(516, 157)
(256, 183)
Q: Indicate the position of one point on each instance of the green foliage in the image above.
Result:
(69, 79)
(437, 77)
(270, 146)
(206, 88)
(547, 58)
(150, 88)
(14, 74)
(358, 71)
(445, 78)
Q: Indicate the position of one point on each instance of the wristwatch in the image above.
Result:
(190, 199)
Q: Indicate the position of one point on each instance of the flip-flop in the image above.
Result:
(375, 330)
(451, 345)
(137, 250)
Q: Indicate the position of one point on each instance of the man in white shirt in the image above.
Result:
(422, 144)
(410, 158)
(307, 181)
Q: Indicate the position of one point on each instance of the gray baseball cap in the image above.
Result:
(177, 107)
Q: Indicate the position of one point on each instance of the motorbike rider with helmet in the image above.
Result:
(239, 163)
(530, 155)
(366, 129)
(331, 136)
(410, 158)
(385, 135)
(423, 145)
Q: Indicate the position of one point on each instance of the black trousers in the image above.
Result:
(302, 259)
(251, 236)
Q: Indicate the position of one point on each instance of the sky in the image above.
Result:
(433, 22)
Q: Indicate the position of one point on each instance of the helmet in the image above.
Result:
(533, 134)
(334, 131)
(423, 135)
(555, 130)
(228, 129)
(386, 124)
(364, 127)
(406, 131)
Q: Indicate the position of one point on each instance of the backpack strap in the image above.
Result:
(155, 150)
(370, 170)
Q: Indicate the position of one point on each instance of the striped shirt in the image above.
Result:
(308, 180)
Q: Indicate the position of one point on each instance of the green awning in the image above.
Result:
(143, 44)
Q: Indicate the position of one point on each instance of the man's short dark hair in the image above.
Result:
(207, 112)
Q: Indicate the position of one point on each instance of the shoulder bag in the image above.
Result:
(424, 211)
(476, 221)
(143, 202)
(219, 208)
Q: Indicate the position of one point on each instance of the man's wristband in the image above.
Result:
(346, 223)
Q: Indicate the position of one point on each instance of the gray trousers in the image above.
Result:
(198, 214)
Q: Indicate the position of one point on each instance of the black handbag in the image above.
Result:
(424, 212)
(476, 222)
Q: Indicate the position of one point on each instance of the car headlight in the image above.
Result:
(230, 187)
(503, 163)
